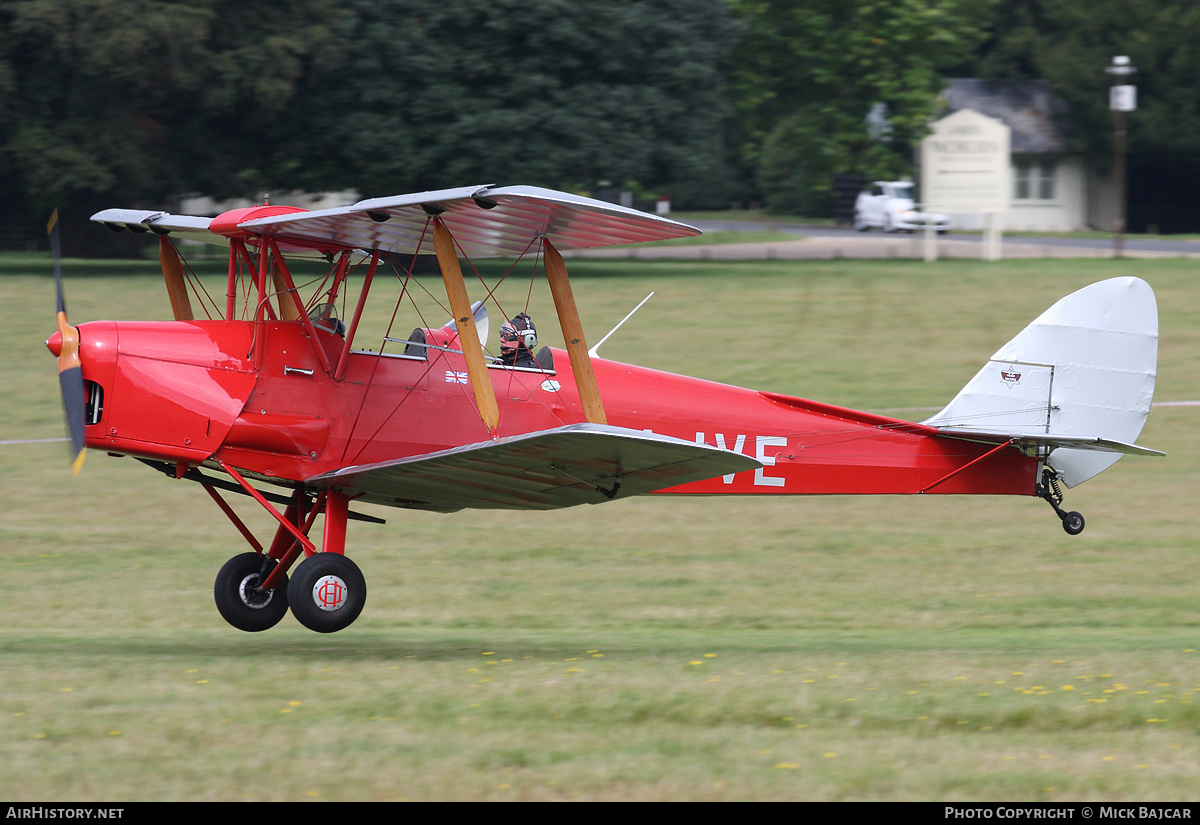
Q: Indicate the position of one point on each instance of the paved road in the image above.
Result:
(829, 241)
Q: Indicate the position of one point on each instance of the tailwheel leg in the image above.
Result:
(1050, 490)
(327, 590)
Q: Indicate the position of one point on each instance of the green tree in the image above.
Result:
(1069, 43)
(133, 101)
(541, 91)
(809, 76)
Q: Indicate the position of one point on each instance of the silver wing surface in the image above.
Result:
(545, 470)
(487, 221)
(191, 227)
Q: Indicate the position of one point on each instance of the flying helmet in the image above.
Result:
(520, 330)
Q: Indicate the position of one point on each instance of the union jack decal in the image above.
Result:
(453, 377)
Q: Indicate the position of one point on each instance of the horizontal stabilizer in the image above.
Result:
(1051, 442)
(545, 470)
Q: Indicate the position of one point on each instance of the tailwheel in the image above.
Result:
(1050, 490)
(1073, 523)
(241, 600)
(327, 592)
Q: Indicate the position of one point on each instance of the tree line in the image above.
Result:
(137, 102)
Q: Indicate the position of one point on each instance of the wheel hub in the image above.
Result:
(252, 595)
(330, 593)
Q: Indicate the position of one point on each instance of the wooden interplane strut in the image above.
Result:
(464, 321)
(572, 330)
(168, 258)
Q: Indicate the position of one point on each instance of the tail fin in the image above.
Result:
(1076, 383)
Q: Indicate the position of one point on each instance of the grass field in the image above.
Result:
(651, 649)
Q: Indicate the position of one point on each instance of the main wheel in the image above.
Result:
(1073, 523)
(327, 592)
(241, 601)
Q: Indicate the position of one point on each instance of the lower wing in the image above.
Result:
(544, 470)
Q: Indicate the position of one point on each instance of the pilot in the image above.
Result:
(518, 337)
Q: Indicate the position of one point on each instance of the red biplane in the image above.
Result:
(274, 400)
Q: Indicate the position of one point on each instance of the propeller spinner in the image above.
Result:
(65, 345)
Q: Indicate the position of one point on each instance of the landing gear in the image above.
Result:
(1049, 490)
(1073, 523)
(327, 592)
(241, 599)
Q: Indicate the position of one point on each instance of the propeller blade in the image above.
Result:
(70, 369)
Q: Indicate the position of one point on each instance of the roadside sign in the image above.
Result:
(966, 165)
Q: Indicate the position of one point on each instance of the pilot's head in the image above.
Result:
(517, 334)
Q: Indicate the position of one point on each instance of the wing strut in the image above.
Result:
(168, 259)
(572, 330)
(468, 336)
(340, 370)
(231, 282)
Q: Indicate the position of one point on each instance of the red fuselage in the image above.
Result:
(257, 398)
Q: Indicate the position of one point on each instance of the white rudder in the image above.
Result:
(1082, 374)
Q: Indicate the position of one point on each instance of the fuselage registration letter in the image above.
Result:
(761, 442)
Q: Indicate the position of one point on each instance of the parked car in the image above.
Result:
(889, 206)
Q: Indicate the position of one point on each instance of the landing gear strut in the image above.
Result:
(1050, 490)
(327, 590)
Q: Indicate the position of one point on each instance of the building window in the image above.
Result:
(1034, 180)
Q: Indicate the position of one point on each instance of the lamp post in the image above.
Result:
(1122, 98)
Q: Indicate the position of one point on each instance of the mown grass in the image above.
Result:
(724, 648)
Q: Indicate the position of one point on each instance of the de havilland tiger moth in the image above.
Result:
(273, 397)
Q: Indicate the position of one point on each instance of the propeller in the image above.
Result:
(66, 347)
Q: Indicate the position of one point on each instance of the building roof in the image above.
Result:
(1036, 117)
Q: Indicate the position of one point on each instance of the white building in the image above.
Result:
(1054, 190)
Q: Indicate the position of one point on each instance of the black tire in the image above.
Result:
(327, 592)
(1073, 523)
(240, 604)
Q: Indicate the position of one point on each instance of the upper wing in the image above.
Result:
(192, 227)
(196, 228)
(546, 470)
(486, 221)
